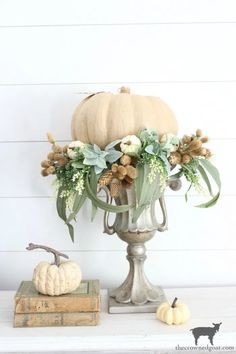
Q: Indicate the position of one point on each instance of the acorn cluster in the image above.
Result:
(55, 159)
(121, 174)
(189, 148)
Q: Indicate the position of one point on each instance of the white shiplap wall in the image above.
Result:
(53, 52)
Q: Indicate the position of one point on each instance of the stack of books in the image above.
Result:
(80, 308)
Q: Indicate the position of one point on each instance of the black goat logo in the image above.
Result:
(206, 331)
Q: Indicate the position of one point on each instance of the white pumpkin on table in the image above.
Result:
(57, 278)
(176, 313)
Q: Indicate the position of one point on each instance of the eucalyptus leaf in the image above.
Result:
(186, 193)
(102, 205)
(78, 203)
(210, 203)
(61, 205)
(94, 185)
(205, 179)
(214, 173)
(146, 192)
(139, 181)
(61, 210)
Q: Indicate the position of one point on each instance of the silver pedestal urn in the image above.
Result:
(136, 293)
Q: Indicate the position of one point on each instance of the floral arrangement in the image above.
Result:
(146, 161)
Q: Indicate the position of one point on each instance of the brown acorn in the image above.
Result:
(114, 167)
(45, 163)
(57, 148)
(58, 156)
(51, 156)
(125, 160)
(186, 158)
(121, 172)
(204, 139)
(175, 158)
(44, 172)
(194, 145)
(186, 139)
(65, 149)
(131, 172)
(198, 133)
(50, 170)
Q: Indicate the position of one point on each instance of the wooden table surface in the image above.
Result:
(121, 333)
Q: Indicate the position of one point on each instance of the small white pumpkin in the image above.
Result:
(173, 314)
(55, 278)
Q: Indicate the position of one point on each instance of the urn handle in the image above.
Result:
(108, 229)
(164, 225)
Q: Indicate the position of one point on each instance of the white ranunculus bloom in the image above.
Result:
(130, 145)
(70, 151)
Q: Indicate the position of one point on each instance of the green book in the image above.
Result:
(86, 298)
(56, 319)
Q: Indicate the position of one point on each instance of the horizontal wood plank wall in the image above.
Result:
(50, 60)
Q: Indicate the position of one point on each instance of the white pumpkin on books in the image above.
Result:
(57, 278)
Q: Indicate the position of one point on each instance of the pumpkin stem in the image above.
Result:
(56, 254)
(124, 89)
(174, 302)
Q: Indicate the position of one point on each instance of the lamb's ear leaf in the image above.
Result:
(61, 210)
(100, 204)
(112, 144)
(113, 155)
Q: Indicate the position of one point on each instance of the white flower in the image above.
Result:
(170, 141)
(70, 151)
(130, 145)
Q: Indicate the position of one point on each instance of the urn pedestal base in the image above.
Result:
(136, 294)
(149, 307)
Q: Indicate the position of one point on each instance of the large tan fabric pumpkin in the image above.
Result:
(104, 117)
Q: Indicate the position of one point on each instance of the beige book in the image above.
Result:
(56, 319)
(84, 299)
